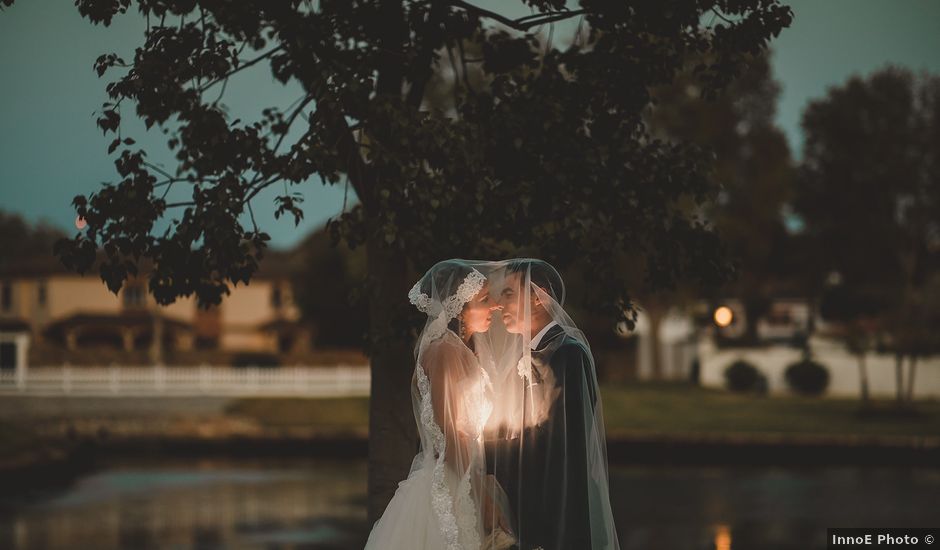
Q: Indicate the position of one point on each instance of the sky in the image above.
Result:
(51, 149)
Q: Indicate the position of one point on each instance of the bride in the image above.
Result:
(448, 501)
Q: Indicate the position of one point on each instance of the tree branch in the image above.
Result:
(424, 69)
(722, 17)
(523, 23)
(252, 214)
(463, 63)
(453, 66)
(290, 121)
(159, 170)
(241, 67)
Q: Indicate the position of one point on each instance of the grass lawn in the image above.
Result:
(332, 416)
(654, 408)
(678, 408)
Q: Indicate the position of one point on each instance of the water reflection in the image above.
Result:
(766, 508)
(294, 504)
(207, 504)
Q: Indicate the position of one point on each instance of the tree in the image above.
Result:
(328, 286)
(868, 193)
(19, 240)
(753, 168)
(859, 310)
(551, 158)
(911, 329)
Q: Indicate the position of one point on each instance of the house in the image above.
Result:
(51, 316)
(696, 344)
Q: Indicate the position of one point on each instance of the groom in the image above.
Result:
(545, 475)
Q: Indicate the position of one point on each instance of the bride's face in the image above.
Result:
(478, 312)
(510, 302)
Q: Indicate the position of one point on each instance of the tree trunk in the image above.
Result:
(156, 344)
(393, 436)
(863, 378)
(656, 346)
(910, 379)
(899, 376)
(754, 308)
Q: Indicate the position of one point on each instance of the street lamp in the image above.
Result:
(723, 316)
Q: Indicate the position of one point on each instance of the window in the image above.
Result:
(7, 355)
(134, 296)
(6, 296)
(276, 297)
(42, 293)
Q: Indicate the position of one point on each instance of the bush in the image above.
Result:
(255, 359)
(742, 376)
(807, 377)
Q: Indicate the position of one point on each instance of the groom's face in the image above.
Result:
(512, 303)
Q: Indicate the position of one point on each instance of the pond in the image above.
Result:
(320, 504)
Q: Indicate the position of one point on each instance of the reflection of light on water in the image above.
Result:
(722, 537)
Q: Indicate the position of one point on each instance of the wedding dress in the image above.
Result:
(443, 502)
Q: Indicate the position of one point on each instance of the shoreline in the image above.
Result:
(634, 448)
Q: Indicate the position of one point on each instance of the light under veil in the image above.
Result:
(512, 443)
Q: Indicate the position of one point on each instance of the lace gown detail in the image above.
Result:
(440, 494)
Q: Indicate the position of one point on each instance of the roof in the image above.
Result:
(278, 264)
(275, 264)
(130, 319)
(13, 324)
(281, 324)
(41, 265)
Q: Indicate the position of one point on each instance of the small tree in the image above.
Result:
(807, 377)
(911, 333)
(742, 376)
(869, 194)
(19, 240)
(860, 313)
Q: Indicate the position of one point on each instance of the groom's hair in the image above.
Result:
(542, 274)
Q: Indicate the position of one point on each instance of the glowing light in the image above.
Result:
(722, 538)
(80, 222)
(723, 316)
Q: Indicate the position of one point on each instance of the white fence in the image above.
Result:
(338, 381)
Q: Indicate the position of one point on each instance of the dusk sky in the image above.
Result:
(51, 149)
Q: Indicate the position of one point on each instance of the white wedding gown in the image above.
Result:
(409, 521)
(435, 508)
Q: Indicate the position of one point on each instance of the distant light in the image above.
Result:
(723, 316)
(80, 223)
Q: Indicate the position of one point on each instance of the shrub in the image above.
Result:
(255, 359)
(742, 376)
(807, 377)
